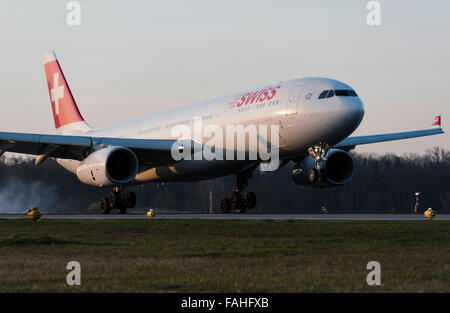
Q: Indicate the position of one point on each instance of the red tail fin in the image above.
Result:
(65, 110)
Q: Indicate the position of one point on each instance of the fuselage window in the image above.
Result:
(330, 93)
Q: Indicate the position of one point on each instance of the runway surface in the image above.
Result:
(319, 217)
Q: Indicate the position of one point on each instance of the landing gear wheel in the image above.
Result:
(235, 200)
(225, 205)
(239, 200)
(122, 209)
(313, 175)
(130, 200)
(251, 200)
(238, 203)
(118, 200)
(106, 208)
(114, 199)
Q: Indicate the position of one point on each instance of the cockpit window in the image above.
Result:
(339, 93)
(326, 94)
(323, 94)
(346, 93)
(342, 93)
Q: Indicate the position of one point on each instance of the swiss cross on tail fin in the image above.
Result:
(436, 122)
(57, 92)
(66, 115)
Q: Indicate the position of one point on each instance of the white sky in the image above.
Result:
(136, 57)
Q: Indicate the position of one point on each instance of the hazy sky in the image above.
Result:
(136, 57)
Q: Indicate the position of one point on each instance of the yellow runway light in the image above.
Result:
(151, 213)
(430, 213)
(34, 214)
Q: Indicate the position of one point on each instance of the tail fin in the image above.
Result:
(66, 115)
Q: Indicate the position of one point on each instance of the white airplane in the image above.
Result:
(313, 116)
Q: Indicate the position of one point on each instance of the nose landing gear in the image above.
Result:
(319, 152)
(118, 200)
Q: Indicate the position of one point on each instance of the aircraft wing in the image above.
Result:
(148, 151)
(350, 142)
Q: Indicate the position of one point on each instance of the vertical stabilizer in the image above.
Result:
(66, 115)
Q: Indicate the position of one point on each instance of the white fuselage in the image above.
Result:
(303, 120)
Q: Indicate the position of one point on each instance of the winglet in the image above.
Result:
(436, 122)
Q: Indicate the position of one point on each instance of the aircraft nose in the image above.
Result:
(349, 114)
(354, 110)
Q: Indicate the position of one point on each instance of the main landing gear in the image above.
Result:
(239, 200)
(118, 200)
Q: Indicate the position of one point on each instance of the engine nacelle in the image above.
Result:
(109, 166)
(336, 170)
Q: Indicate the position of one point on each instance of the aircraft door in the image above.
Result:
(293, 103)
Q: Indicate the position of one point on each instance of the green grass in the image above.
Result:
(224, 256)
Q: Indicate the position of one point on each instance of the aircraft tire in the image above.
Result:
(313, 175)
(235, 201)
(122, 209)
(251, 200)
(225, 206)
(105, 207)
(131, 199)
(114, 199)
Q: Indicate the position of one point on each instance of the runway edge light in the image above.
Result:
(34, 214)
(430, 213)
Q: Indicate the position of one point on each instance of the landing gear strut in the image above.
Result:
(239, 200)
(118, 200)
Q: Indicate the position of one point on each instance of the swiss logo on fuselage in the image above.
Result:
(254, 97)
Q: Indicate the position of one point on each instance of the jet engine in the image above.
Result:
(109, 166)
(336, 169)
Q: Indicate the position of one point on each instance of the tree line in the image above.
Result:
(381, 184)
